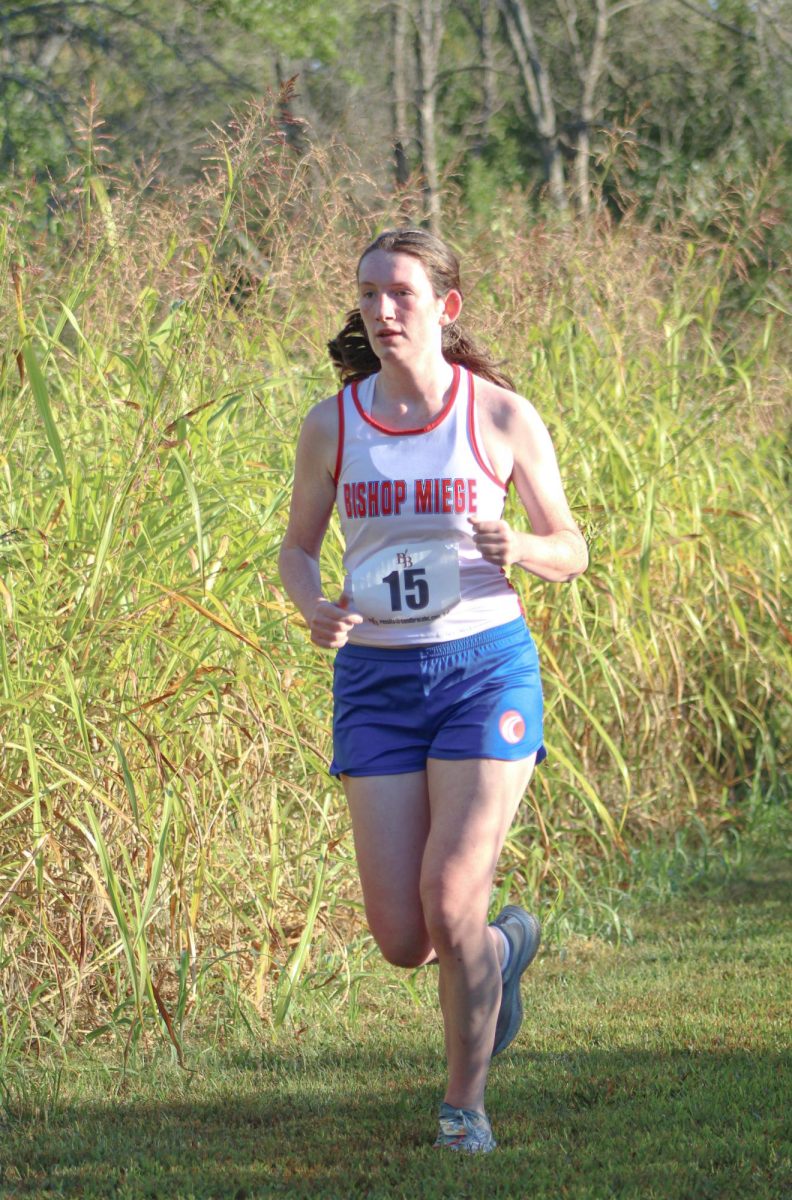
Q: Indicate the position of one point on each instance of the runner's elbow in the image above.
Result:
(578, 556)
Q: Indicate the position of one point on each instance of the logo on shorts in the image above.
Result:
(511, 726)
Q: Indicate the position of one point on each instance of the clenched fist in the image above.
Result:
(496, 541)
(331, 623)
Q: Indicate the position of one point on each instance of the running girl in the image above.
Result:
(437, 695)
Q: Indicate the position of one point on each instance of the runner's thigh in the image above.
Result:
(390, 822)
(472, 804)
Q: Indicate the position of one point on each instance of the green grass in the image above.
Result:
(658, 1070)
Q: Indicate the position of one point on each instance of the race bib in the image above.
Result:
(402, 584)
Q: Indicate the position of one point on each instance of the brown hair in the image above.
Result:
(351, 350)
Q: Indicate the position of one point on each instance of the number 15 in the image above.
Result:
(416, 589)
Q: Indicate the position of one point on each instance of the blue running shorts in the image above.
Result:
(476, 697)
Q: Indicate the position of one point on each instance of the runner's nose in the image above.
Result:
(384, 306)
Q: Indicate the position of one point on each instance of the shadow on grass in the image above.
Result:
(773, 884)
(583, 1124)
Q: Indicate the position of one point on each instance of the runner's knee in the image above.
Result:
(403, 945)
(453, 913)
(404, 952)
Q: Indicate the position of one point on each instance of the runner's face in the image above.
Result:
(402, 315)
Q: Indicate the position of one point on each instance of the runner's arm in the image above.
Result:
(555, 549)
(313, 496)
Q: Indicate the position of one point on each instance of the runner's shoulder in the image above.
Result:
(321, 421)
(506, 411)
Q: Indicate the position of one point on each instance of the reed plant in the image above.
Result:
(173, 854)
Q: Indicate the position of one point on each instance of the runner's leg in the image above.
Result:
(472, 804)
(390, 822)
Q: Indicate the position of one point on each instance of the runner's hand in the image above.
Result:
(496, 541)
(331, 624)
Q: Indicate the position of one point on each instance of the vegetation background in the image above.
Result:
(185, 187)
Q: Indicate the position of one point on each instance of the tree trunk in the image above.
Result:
(538, 93)
(401, 129)
(429, 30)
(588, 72)
(487, 30)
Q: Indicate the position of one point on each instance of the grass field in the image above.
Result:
(658, 1071)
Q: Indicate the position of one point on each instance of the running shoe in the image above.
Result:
(464, 1129)
(524, 934)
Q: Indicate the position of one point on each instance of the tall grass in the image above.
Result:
(172, 849)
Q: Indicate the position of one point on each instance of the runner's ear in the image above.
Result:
(452, 307)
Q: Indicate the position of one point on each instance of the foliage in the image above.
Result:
(172, 848)
(163, 74)
(691, 93)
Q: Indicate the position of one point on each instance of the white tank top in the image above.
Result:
(404, 497)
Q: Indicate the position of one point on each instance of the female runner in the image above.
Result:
(437, 696)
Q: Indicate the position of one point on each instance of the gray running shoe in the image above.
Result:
(524, 933)
(464, 1129)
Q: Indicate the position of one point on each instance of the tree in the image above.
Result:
(588, 63)
(538, 92)
(712, 87)
(576, 37)
(502, 93)
(164, 73)
(400, 15)
(429, 27)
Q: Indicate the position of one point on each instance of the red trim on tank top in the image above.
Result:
(340, 450)
(474, 446)
(441, 416)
